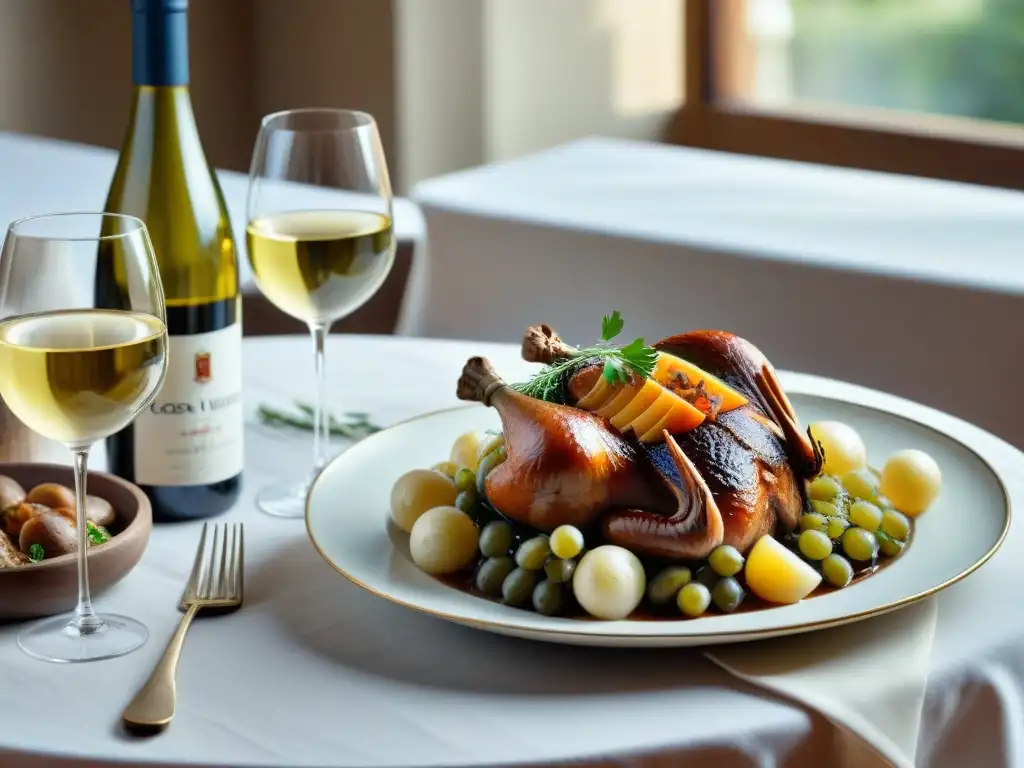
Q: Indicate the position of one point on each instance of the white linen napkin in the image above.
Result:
(867, 678)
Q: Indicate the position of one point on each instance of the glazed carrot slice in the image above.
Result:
(671, 371)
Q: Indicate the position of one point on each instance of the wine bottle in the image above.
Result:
(186, 450)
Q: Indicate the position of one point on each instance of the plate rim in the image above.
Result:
(739, 635)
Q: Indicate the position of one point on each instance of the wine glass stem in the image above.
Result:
(84, 620)
(320, 420)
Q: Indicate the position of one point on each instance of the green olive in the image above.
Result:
(533, 553)
(559, 571)
(517, 588)
(727, 594)
(836, 527)
(548, 598)
(663, 588)
(693, 599)
(492, 573)
(465, 479)
(861, 484)
(824, 488)
(815, 545)
(466, 501)
(496, 539)
(813, 522)
(726, 560)
(889, 546)
(837, 570)
(865, 515)
(827, 508)
(895, 524)
(859, 544)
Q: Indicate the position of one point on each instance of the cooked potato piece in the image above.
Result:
(99, 511)
(10, 557)
(53, 532)
(52, 495)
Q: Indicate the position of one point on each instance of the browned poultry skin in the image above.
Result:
(563, 465)
(693, 531)
(744, 367)
(753, 493)
(733, 479)
(742, 461)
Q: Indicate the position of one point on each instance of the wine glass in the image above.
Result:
(320, 238)
(76, 366)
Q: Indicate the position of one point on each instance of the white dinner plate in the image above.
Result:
(347, 521)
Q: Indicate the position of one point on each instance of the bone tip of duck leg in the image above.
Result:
(541, 344)
(815, 455)
(478, 381)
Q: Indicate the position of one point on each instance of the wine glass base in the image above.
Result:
(57, 640)
(287, 501)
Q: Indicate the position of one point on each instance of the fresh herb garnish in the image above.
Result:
(611, 326)
(36, 553)
(96, 533)
(354, 425)
(619, 362)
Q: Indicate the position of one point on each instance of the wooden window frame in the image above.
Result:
(919, 145)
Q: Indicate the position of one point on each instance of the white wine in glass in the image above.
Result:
(320, 237)
(76, 373)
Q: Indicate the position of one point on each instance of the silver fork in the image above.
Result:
(217, 587)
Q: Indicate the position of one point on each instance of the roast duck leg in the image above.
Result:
(707, 450)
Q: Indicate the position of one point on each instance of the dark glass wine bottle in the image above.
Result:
(186, 450)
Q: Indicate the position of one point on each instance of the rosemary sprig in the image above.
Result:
(355, 424)
(618, 362)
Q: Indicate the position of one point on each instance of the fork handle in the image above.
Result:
(153, 705)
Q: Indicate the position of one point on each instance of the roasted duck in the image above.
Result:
(705, 450)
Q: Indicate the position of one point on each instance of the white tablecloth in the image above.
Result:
(314, 672)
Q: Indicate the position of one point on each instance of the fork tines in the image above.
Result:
(217, 572)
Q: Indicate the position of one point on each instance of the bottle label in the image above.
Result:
(192, 433)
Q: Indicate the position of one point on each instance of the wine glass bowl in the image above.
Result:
(320, 237)
(76, 366)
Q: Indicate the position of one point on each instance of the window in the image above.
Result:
(925, 87)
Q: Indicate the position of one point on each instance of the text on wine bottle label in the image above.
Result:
(192, 433)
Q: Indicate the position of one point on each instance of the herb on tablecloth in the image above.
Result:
(354, 424)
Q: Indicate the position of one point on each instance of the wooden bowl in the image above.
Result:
(51, 586)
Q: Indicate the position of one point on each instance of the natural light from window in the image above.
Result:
(960, 58)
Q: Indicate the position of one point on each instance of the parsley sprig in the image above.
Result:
(619, 362)
(97, 534)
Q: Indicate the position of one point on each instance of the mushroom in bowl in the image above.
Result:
(39, 537)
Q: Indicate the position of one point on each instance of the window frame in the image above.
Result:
(948, 148)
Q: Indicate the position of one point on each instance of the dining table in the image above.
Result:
(315, 671)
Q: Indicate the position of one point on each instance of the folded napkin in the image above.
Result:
(868, 678)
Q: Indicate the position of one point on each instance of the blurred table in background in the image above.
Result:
(40, 175)
(907, 285)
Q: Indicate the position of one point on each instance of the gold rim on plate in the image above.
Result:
(749, 634)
